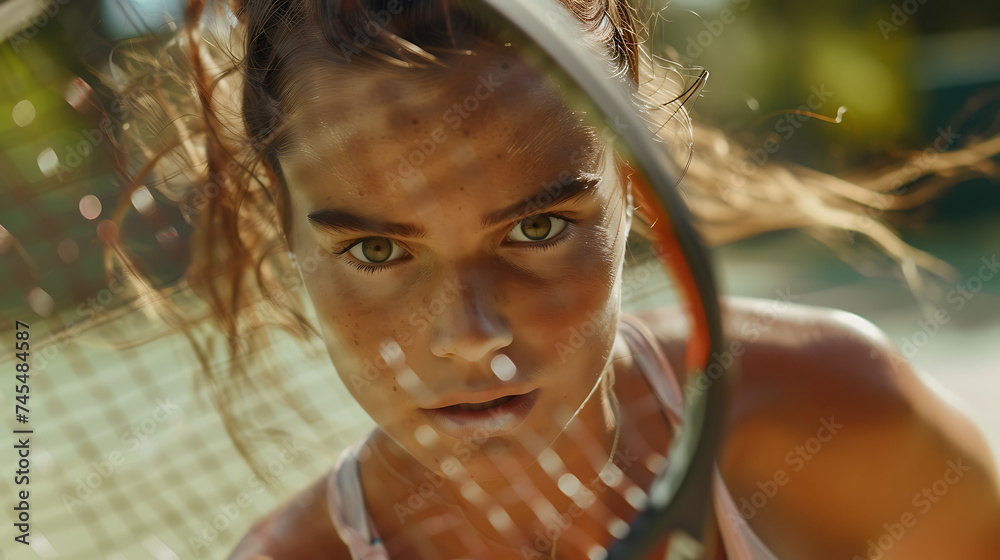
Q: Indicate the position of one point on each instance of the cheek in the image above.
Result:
(358, 323)
(572, 315)
(350, 323)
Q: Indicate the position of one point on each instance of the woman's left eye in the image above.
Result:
(540, 227)
(376, 250)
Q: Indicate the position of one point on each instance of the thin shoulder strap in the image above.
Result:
(739, 540)
(348, 511)
(654, 365)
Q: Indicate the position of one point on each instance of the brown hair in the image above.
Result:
(221, 163)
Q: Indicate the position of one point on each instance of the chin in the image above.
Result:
(494, 458)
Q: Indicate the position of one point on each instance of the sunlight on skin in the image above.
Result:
(501, 329)
(534, 303)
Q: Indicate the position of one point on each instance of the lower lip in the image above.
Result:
(478, 424)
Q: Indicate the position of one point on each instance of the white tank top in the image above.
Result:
(350, 514)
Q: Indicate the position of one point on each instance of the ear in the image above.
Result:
(625, 173)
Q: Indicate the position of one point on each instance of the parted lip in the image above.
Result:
(480, 396)
(492, 421)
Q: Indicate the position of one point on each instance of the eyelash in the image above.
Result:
(546, 245)
(541, 246)
(367, 268)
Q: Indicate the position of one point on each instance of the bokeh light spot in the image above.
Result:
(23, 113)
(503, 367)
(472, 492)
(500, 519)
(143, 201)
(76, 92)
(48, 162)
(569, 484)
(636, 497)
(656, 462)
(42, 547)
(40, 302)
(611, 475)
(597, 552)
(107, 232)
(551, 463)
(90, 207)
(426, 435)
(618, 528)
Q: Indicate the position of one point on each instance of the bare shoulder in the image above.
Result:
(793, 357)
(760, 326)
(834, 441)
(299, 529)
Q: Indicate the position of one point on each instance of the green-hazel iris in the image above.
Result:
(376, 249)
(536, 227)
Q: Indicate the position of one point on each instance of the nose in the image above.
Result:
(470, 325)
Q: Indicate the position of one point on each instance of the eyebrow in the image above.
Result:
(342, 221)
(536, 203)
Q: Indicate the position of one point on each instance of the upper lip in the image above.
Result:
(480, 396)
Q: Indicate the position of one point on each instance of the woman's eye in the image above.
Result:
(539, 227)
(376, 250)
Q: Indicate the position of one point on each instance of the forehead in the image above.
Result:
(488, 122)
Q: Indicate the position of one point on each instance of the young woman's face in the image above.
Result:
(461, 235)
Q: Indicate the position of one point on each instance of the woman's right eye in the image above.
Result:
(538, 228)
(376, 250)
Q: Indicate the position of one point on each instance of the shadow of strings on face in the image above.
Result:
(557, 512)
